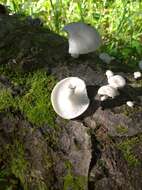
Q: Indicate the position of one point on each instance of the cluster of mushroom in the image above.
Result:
(69, 97)
(115, 82)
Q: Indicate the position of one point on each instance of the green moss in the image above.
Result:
(18, 169)
(36, 103)
(121, 129)
(126, 147)
(6, 99)
(7, 182)
(74, 182)
(101, 163)
(137, 83)
(127, 111)
(16, 78)
(18, 164)
(15, 166)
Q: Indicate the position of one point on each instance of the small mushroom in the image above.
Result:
(130, 104)
(83, 38)
(69, 97)
(107, 91)
(116, 81)
(137, 75)
(106, 58)
(109, 73)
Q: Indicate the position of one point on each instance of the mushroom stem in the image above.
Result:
(71, 88)
(102, 98)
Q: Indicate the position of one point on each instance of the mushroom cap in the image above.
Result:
(108, 91)
(117, 81)
(69, 97)
(83, 38)
(130, 103)
(109, 73)
(137, 75)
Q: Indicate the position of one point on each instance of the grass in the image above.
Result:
(118, 21)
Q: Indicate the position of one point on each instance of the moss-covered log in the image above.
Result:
(40, 151)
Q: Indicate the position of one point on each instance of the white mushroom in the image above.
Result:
(137, 75)
(106, 57)
(69, 97)
(117, 81)
(108, 91)
(103, 98)
(83, 38)
(109, 73)
(130, 103)
(140, 64)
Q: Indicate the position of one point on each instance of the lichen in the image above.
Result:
(126, 147)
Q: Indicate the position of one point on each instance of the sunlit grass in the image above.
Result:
(119, 21)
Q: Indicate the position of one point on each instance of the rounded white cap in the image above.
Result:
(108, 91)
(137, 75)
(69, 97)
(117, 81)
(130, 103)
(83, 38)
